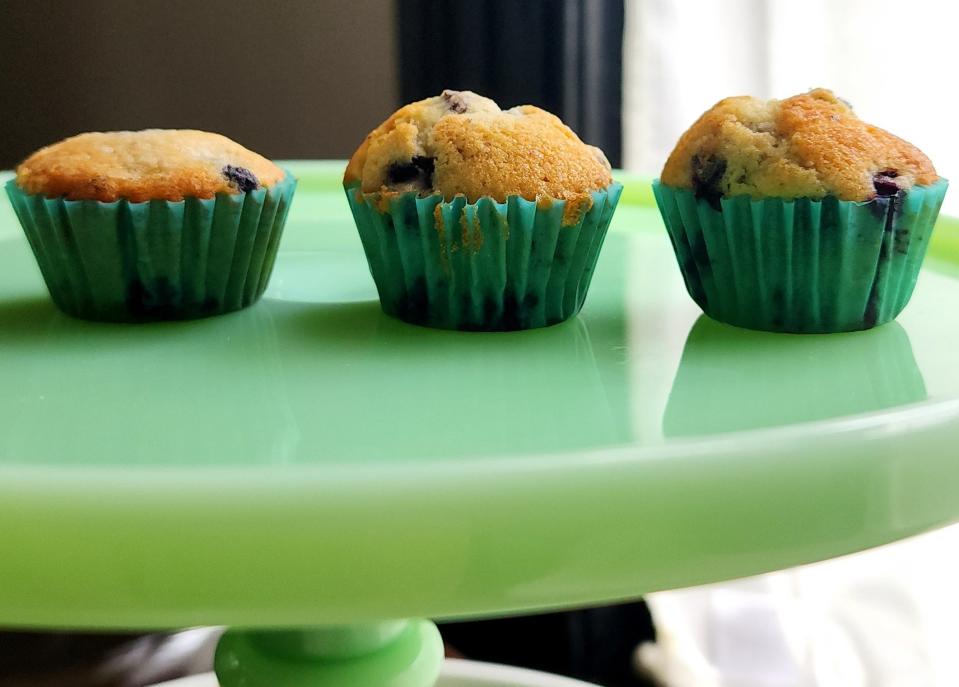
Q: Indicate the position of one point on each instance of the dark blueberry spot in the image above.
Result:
(490, 306)
(879, 207)
(871, 315)
(512, 316)
(136, 296)
(417, 173)
(455, 101)
(418, 297)
(779, 307)
(707, 176)
(701, 256)
(884, 183)
(690, 269)
(410, 218)
(157, 301)
(242, 178)
(892, 209)
(902, 240)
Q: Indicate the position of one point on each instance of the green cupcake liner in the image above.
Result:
(801, 266)
(155, 260)
(483, 266)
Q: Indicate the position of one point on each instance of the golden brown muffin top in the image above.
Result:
(162, 164)
(460, 143)
(808, 146)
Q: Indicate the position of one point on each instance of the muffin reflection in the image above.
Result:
(393, 391)
(170, 393)
(732, 379)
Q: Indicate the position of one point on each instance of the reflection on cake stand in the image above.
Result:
(733, 379)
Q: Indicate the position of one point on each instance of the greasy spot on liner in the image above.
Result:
(242, 178)
(707, 177)
(901, 240)
(418, 172)
(700, 253)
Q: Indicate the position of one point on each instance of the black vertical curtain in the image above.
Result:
(562, 55)
(566, 57)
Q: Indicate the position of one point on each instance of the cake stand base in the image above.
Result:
(399, 653)
(454, 673)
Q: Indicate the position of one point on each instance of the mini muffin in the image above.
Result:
(478, 218)
(151, 225)
(795, 215)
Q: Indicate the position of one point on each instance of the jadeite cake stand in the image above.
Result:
(314, 474)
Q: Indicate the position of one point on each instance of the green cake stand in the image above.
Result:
(315, 474)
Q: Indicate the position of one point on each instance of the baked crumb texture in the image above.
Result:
(155, 164)
(809, 146)
(460, 143)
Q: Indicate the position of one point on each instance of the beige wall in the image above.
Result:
(288, 78)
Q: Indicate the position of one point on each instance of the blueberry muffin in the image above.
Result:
(795, 215)
(151, 225)
(478, 218)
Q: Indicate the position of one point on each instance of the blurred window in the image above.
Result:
(892, 61)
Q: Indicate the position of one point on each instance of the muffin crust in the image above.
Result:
(162, 164)
(460, 143)
(808, 146)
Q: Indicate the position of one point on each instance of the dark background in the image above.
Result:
(297, 78)
(289, 79)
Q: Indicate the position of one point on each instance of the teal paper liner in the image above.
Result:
(485, 266)
(801, 266)
(155, 260)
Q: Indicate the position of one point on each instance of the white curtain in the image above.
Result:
(884, 618)
(896, 62)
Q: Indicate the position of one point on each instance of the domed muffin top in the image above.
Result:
(808, 146)
(162, 164)
(460, 143)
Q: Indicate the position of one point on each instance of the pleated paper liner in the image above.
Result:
(802, 266)
(483, 266)
(155, 260)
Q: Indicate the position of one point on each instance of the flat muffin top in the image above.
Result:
(808, 146)
(161, 164)
(460, 143)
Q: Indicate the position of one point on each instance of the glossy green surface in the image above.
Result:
(312, 461)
